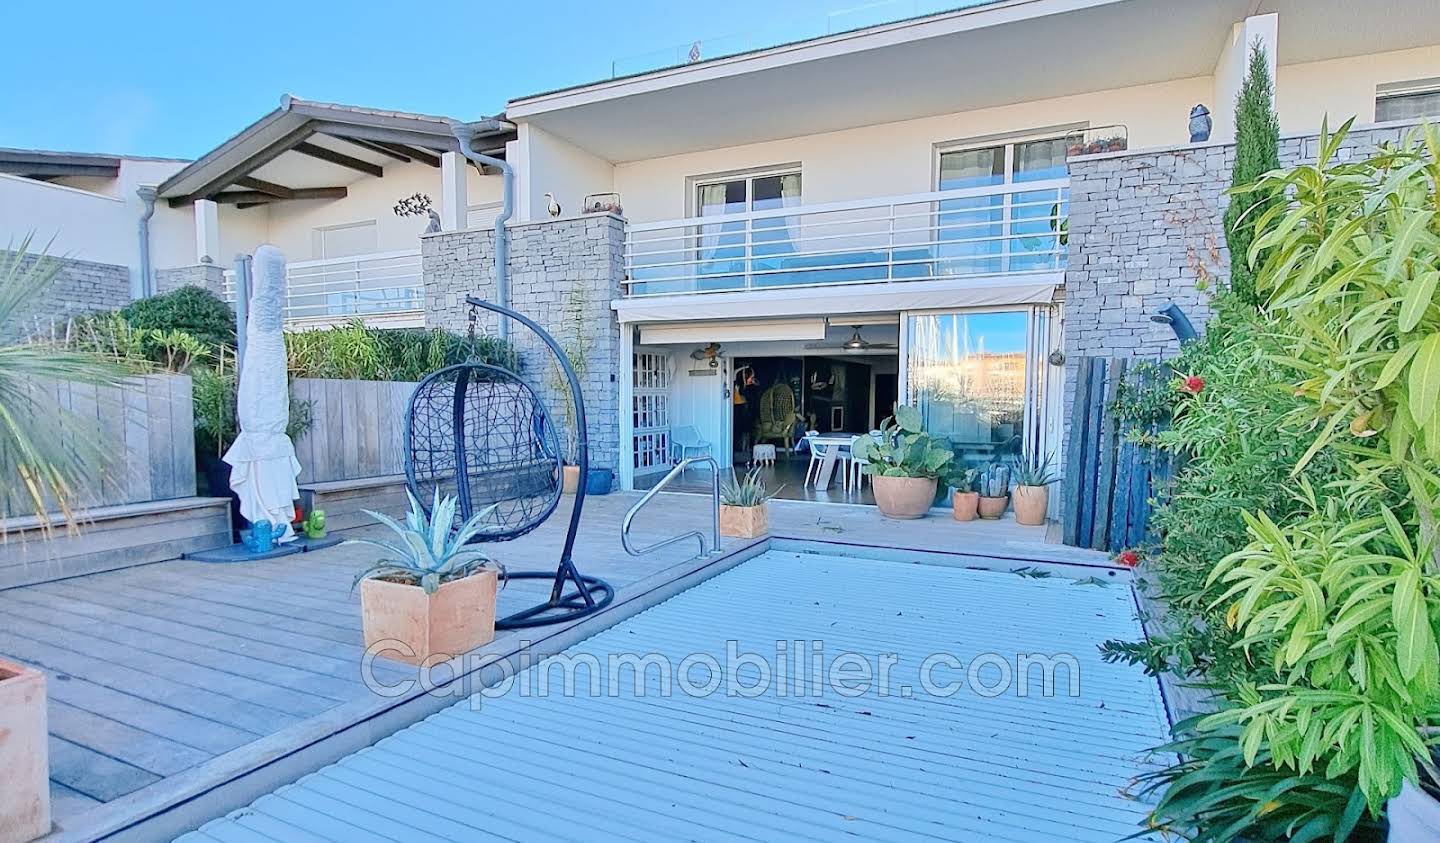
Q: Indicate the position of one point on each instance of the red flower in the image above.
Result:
(1128, 558)
(1192, 384)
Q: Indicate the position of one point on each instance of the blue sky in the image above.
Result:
(175, 78)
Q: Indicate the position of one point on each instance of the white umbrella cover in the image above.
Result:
(263, 460)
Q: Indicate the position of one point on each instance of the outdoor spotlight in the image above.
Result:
(1172, 315)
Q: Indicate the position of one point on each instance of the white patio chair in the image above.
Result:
(814, 457)
(685, 442)
(857, 467)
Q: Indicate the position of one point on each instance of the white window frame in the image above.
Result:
(694, 183)
(1401, 90)
(319, 232)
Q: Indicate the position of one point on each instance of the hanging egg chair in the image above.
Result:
(482, 433)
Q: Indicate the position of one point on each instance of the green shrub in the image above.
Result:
(356, 352)
(1257, 152)
(193, 310)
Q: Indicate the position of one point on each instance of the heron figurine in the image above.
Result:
(552, 207)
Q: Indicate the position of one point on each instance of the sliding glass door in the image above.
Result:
(979, 380)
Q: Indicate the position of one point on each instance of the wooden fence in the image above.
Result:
(356, 430)
(1111, 483)
(145, 428)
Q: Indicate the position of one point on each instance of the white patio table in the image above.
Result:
(832, 443)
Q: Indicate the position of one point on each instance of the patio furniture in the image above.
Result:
(857, 464)
(776, 420)
(763, 455)
(482, 433)
(826, 450)
(685, 442)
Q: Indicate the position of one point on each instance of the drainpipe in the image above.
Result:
(146, 192)
(465, 133)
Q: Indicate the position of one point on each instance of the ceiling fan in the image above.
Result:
(854, 345)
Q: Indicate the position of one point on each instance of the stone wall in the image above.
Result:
(1146, 229)
(79, 287)
(207, 275)
(546, 259)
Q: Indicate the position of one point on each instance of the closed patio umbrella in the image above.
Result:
(263, 460)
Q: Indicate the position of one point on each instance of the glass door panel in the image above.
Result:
(1036, 214)
(969, 230)
(968, 374)
(722, 244)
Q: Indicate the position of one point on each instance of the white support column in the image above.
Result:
(454, 205)
(1231, 67)
(207, 231)
(627, 407)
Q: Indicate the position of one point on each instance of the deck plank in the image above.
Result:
(93, 774)
(136, 747)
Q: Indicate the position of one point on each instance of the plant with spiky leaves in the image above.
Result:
(48, 455)
(431, 550)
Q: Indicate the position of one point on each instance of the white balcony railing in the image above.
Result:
(384, 286)
(992, 230)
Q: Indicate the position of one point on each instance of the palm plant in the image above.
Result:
(48, 455)
(747, 491)
(431, 550)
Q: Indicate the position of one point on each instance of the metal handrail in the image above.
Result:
(679, 468)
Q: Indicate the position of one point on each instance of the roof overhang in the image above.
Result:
(43, 164)
(984, 56)
(312, 150)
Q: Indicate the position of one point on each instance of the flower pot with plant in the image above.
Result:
(432, 593)
(24, 754)
(965, 503)
(905, 464)
(744, 513)
(994, 491)
(576, 343)
(1033, 476)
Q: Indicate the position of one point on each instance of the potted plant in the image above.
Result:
(966, 501)
(743, 510)
(431, 592)
(905, 464)
(24, 754)
(994, 491)
(576, 344)
(1033, 477)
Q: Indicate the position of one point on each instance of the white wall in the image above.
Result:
(75, 223)
(553, 165)
(899, 158)
(1234, 63)
(1344, 88)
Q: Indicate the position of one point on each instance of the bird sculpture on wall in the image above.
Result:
(552, 207)
(1200, 124)
(434, 225)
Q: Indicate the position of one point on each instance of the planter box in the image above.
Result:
(1031, 505)
(744, 522)
(905, 498)
(24, 755)
(456, 619)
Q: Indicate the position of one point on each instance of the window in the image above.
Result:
(343, 241)
(1407, 100)
(1002, 231)
(722, 247)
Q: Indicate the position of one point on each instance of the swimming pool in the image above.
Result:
(799, 695)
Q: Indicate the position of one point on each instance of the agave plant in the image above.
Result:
(431, 551)
(1035, 470)
(749, 491)
(49, 456)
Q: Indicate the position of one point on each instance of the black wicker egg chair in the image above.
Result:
(480, 432)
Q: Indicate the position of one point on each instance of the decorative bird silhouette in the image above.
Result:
(553, 207)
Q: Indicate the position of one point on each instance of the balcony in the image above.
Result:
(968, 232)
(384, 289)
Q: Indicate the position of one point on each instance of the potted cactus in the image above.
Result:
(24, 754)
(905, 464)
(743, 510)
(1033, 477)
(432, 593)
(994, 491)
(965, 503)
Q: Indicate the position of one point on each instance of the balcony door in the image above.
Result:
(979, 379)
(1011, 229)
(728, 250)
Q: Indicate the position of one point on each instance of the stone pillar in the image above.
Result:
(454, 205)
(207, 231)
(207, 275)
(547, 259)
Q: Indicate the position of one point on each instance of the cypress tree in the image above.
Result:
(1257, 151)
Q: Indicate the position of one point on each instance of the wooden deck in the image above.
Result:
(166, 679)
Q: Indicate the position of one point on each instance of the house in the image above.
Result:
(948, 210)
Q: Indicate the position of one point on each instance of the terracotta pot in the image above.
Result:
(1031, 505)
(456, 619)
(744, 522)
(966, 505)
(569, 479)
(904, 497)
(993, 508)
(1413, 815)
(24, 754)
